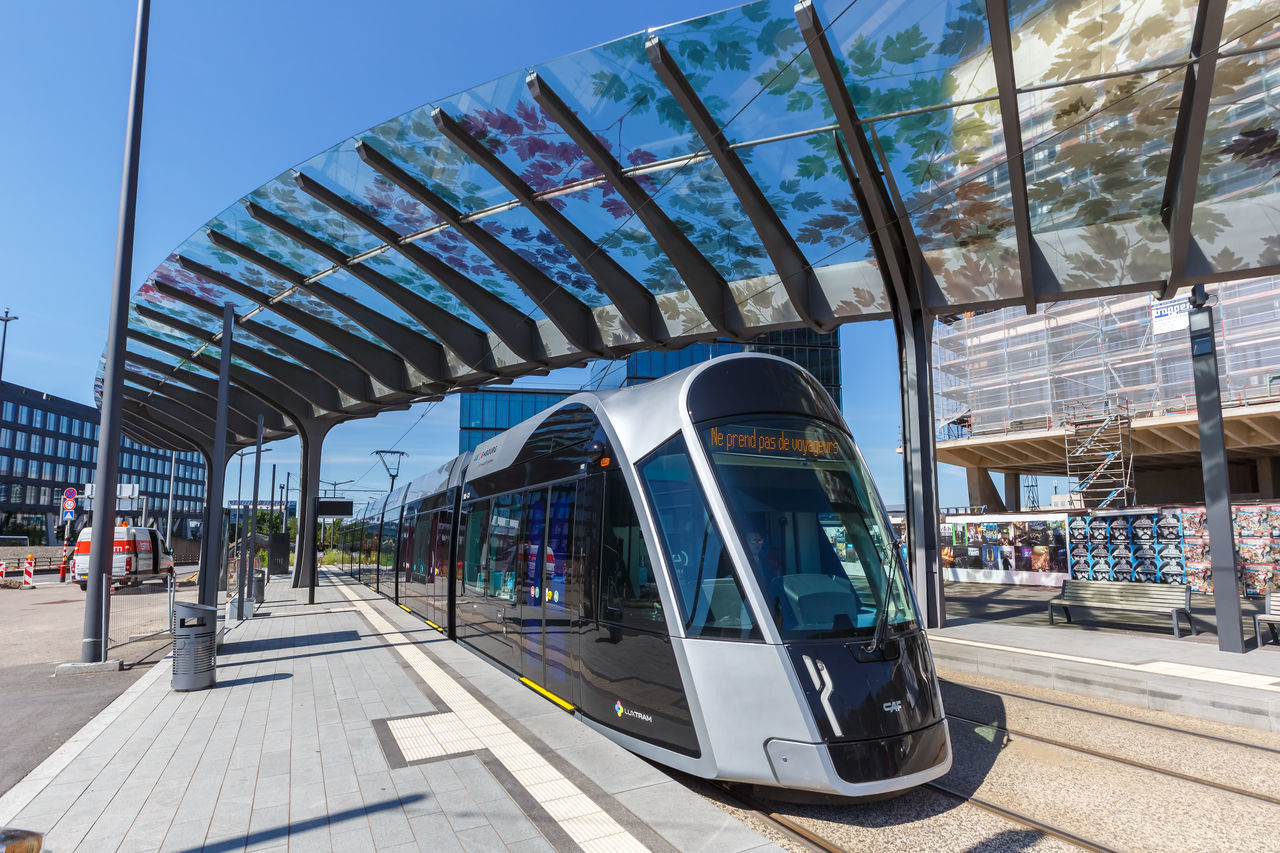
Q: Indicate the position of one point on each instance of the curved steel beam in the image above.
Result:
(304, 381)
(631, 298)
(197, 421)
(518, 332)
(148, 433)
(470, 344)
(565, 311)
(417, 350)
(268, 389)
(1187, 263)
(704, 281)
(158, 419)
(344, 376)
(188, 399)
(240, 401)
(798, 277)
(1015, 161)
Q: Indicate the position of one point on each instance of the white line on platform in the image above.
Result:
(1159, 667)
(592, 828)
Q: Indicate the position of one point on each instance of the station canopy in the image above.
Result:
(765, 167)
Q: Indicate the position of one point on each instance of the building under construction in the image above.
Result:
(1100, 394)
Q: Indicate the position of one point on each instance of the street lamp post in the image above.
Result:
(4, 336)
(393, 469)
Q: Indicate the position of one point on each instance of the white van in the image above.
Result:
(137, 551)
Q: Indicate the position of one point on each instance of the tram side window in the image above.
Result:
(627, 589)
(439, 561)
(421, 547)
(473, 579)
(504, 550)
(702, 571)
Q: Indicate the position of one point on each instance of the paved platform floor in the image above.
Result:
(349, 725)
(1004, 633)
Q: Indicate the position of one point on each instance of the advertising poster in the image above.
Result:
(1169, 547)
(1078, 539)
(1006, 549)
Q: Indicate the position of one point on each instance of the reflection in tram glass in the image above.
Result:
(818, 544)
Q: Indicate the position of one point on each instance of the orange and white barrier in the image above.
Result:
(27, 572)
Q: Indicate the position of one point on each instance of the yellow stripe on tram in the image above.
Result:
(434, 625)
(405, 609)
(547, 693)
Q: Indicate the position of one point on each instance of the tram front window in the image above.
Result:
(803, 505)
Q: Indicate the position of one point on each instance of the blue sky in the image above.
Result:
(236, 93)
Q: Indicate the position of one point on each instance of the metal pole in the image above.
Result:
(1213, 463)
(173, 472)
(93, 646)
(4, 336)
(271, 498)
(211, 557)
(244, 544)
(257, 475)
(284, 507)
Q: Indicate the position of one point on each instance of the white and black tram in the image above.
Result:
(699, 567)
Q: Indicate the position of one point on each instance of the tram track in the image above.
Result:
(797, 832)
(1128, 762)
(984, 688)
(1021, 819)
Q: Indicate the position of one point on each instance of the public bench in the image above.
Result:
(1270, 615)
(1125, 595)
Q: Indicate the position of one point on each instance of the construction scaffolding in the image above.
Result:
(1099, 453)
(1006, 371)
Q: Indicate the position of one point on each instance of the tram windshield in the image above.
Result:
(819, 545)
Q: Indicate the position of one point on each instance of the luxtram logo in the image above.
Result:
(631, 712)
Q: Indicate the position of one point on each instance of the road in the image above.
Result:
(40, 628)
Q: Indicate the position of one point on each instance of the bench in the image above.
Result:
(1125, 595)
(1270, 615)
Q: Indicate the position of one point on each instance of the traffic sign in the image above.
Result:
(68, 515)
(69, 505)
(69, 494)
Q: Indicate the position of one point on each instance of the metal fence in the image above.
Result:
(141, 609)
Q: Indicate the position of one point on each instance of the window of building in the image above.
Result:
(24, 415)
(46, 496)
(6, 439)
(20, 441)
(60, 473)
(37, 444)
(62, 448)
(75, 427)
(37, 418)
(19, 466)
(7, 411)
(4, 464)
(46, 470)
(32, 494)
(64, 424)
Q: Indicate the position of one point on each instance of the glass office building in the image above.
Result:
(816, 352)
(48, 444)
(488, 411)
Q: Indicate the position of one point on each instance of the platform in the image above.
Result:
(1004, 633)
(350, 725)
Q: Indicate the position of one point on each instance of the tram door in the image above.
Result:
(547, 618)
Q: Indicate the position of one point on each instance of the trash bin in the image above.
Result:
(195, 629)
(259, 585)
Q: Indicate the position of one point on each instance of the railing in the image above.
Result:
(141, 608)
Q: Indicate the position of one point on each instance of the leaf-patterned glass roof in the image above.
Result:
(698, 180)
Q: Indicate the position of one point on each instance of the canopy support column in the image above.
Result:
(311, 435)
(211, 543)
(1213, 464)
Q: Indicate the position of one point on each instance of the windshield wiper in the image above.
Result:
(882, 614)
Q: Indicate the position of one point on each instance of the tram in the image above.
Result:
(699, 567)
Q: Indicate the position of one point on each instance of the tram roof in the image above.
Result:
(765, 167)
